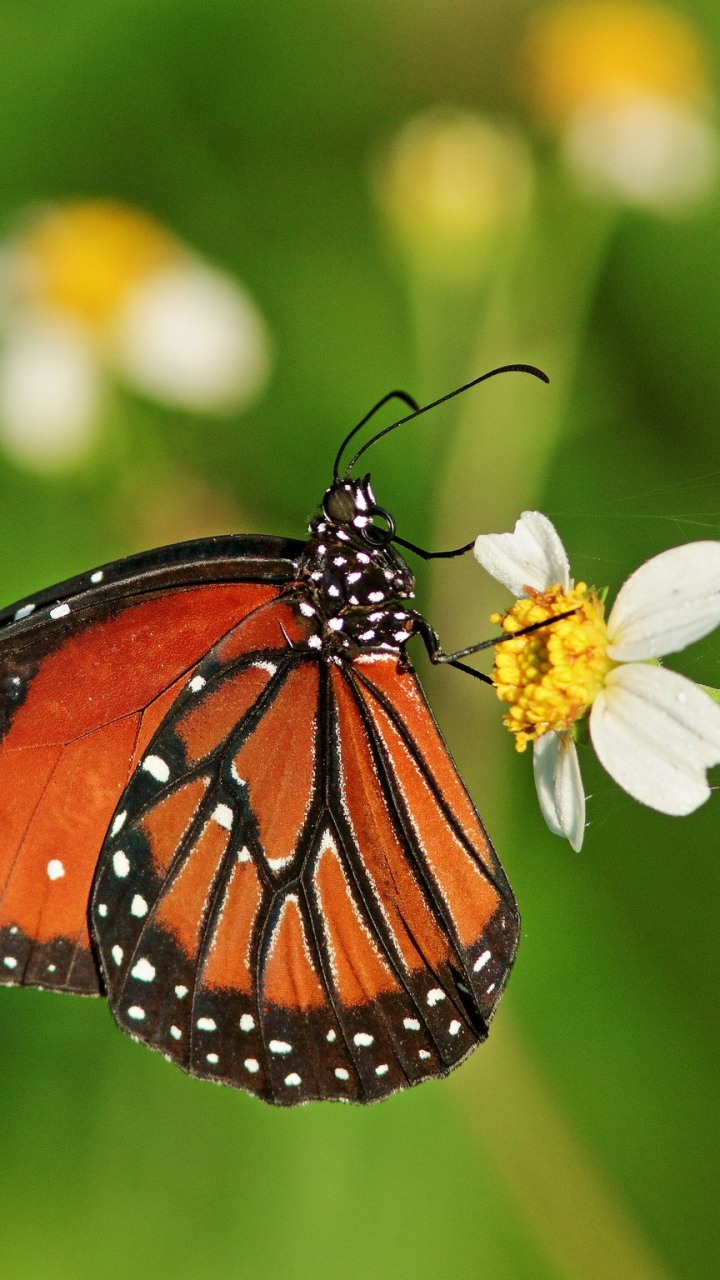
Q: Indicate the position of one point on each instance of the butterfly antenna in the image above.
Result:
(409, 400)
(505, 368)
(434, 555)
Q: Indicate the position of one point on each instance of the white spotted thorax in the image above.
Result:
(357, 580)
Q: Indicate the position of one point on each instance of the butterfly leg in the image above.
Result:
(436, 655)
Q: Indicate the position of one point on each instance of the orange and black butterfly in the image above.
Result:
(225, 804)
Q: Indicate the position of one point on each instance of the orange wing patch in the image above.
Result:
(404, 692)
(278, 765)
(183, 907)
(168, 821)
(205, 727)
(469, 896)
(227, 966)
(359, 971)
(416, 934)
(291, 979)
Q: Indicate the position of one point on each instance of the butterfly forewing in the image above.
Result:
(84, 686)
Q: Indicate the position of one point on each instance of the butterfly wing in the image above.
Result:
(87, 671)
(296, 895)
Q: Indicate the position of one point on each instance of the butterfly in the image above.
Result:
(226, 806)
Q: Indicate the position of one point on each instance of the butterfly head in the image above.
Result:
(350, 563)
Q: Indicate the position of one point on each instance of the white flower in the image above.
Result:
(654, 731)
(191, 337)
(50, 394)
(647, 151)
(93, 290)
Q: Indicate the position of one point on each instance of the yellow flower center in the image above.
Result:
(86, 256)
(551, 676)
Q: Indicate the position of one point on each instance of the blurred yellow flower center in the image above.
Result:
(84, 257)
(551, 676)
(609, 50)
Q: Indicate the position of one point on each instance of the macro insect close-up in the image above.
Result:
(227, 806)
(359, 756)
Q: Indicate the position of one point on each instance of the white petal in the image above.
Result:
(644, 149)
(49, 394)
(559, 786)
(191, 337)
(656, 733)
(668, 602)
(531, 556)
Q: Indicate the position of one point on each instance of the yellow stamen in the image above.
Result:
(85, 256)
(551, 676)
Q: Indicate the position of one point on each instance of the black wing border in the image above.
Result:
(226, 558)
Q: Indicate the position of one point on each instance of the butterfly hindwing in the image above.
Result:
(264, 908)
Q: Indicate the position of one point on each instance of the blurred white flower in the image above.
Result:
(50, 393)
(95, 290)
(655, 732)
(650, 151)
(189, 336)
(626, 86)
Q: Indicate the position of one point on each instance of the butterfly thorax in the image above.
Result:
(358, 588)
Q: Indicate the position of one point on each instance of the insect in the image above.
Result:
(225, 804)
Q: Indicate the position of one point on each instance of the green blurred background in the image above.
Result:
(582, 1141)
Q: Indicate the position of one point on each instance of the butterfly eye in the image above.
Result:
(339, 505)
(375, 534)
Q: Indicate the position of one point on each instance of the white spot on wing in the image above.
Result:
(212, 1058)
(435, 996)
(60, 611)
(331, 1037)
(293, 1079)
(206, 1024)
(247, 1022)
(424, 1054)
(244, 855)
(25, 612)
(143, 970)
(97, 576)
(252, 1065)
(223, 815)
(411, 1024)
(138, 907)
(121, 864)
(277, 864)
(307, 609)
(196, 684)
(176, 1033)
(10, 962)
(51, 968)
(102, 909)
(363, 1039)
(157, 767)
(342, 1074)
(454, 1027)
(481, 961)
(314, 642)
(136, 1012)
(280, 1046)
(181, 992)
(55, 869)
(118, 822)
(117, 954)
(382, 1070)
